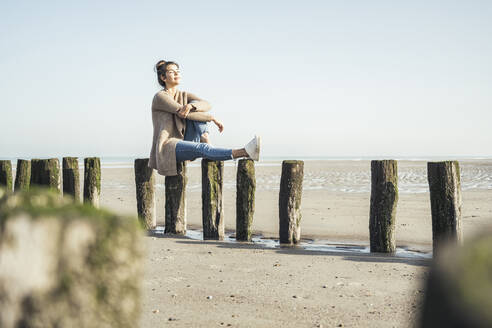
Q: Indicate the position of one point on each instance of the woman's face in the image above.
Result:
(173, 76)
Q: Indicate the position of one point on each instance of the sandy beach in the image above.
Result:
(194, 283)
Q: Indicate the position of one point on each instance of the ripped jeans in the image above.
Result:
(191, 148)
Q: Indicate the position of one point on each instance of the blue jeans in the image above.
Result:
(190, 148)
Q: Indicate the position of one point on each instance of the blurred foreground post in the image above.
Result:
(46, 173)
(176, 201)
(384, 198)
(65, 264)
(289, 202)
(6, 175)
(145, 184)
(22, 175)
(92, 180)
(212, 198)
(445, 197)
(459, 285)
(71, 180)
(245, 198)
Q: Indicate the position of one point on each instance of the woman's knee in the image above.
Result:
(195, 130)
(204, 138)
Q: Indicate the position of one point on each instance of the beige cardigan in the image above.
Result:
(169, 128)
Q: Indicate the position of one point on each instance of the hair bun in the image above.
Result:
(159, 64)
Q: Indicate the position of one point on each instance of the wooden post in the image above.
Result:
(457, 291)
(212, 207)
(245, 198)
(46, 173)
(145, 182)
(289, 203)
(445, 197)
(384, 198)
(22, 175)
(92, 180)
(71, 180)
(176, 201)
(6, 175)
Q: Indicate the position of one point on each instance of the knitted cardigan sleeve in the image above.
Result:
(163, 102)
(199, 104)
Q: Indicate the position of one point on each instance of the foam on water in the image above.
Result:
(411, 180)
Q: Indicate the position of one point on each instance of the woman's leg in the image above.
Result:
(196, 131)
(188, 151)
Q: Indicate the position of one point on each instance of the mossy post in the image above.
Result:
(212, 199)
(458, 286)
(67, 264)
(6, 175)
(92, 180)
(384, 198)
(145, 184)
(245, 198)
(289, 202)
(71, 180)
(445, 198)
(22, 175)
(46, 173)
(176, 201)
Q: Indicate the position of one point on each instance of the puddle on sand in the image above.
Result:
(317, 246)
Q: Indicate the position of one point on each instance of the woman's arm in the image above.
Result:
(200, 116)
(162, 102)
(199, 104)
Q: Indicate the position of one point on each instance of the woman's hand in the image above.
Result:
(184, 110)
(219, 124)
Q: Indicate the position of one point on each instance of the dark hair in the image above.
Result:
(160, 69)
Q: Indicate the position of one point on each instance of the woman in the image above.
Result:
(180, 126)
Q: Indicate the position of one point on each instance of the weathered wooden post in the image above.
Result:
(22, 175)
(384, 198)
(289, 203)
(46, 173)
(92, 180)
(176, 201)
(212, 207)
(71, 180)
(145, 182)
(445, 197)
(58, 259)
(6, 175)
(245, 198)
(458, 286)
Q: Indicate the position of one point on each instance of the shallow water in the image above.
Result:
(313, 245)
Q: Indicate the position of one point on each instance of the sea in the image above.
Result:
(353, 177)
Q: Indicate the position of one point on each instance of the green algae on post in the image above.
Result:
(445, 197)
(6, 175)
(71, 179)
(384, 199)
(289, 203)
(22, 175)
(74, 257)
(92, 180)
(176, 201)
(212, 199)
(245, 198)
(459, 284)
(145, 184)
(46, 173)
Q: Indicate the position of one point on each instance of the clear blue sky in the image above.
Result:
(313, 78)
